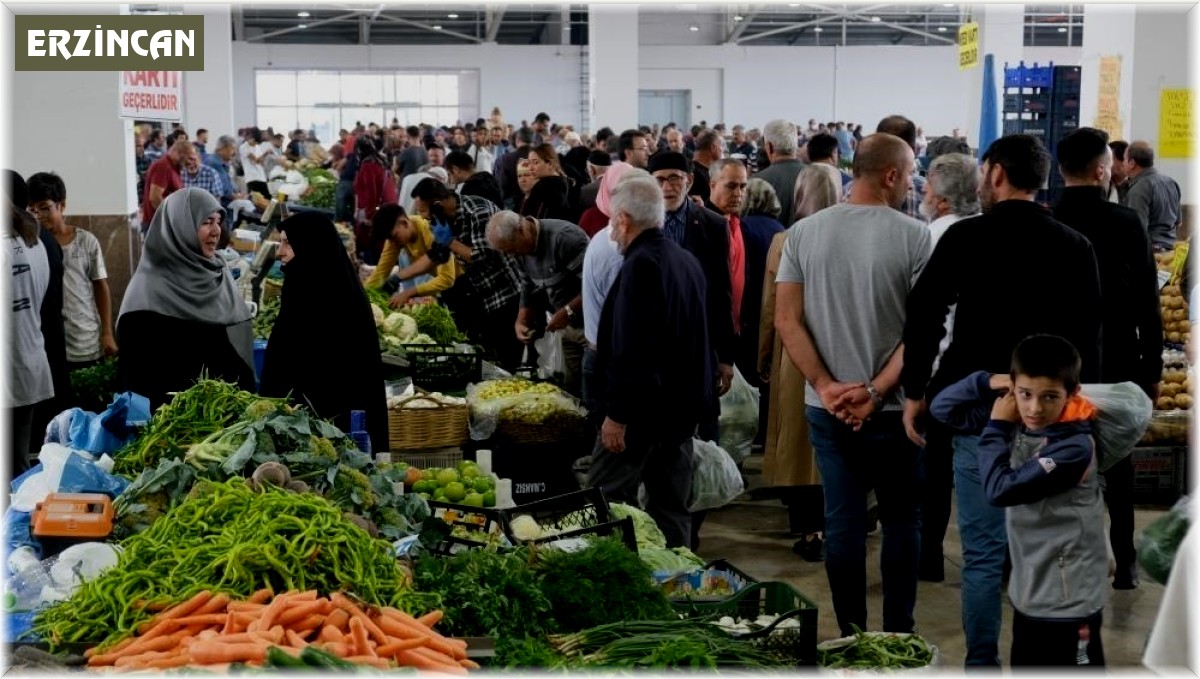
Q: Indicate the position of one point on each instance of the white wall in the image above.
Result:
(1059, 56)
(921, 83)
(207, 100)
(521, 80)
(706, 85)
(1161, 62)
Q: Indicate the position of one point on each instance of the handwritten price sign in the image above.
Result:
(968, 46)
(1175, 124)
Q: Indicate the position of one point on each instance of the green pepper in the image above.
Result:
(313, 657)
(277, 657)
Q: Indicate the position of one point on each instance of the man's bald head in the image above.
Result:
(879, 153)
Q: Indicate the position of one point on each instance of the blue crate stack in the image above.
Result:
(1042, 101)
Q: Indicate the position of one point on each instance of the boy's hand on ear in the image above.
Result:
(1005, 408)
(1000, 383)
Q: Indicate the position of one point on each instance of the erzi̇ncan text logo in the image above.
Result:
(109, 42)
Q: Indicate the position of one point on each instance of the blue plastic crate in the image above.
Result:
(1028, 76)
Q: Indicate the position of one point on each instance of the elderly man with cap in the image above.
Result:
(705, 234)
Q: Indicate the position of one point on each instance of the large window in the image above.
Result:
(327, 101)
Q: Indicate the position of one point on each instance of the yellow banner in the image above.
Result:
(1175, 124)
(1108, 116)
(968, 46)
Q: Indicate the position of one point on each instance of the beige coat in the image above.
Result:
(788, 459)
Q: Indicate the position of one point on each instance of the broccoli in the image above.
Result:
(352, 487)
(261, 409)
(324, 448)
(390, 517)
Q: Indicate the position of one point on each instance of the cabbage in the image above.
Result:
(670, 560)
(648, 532)
(524, 528)
(378, 313)
(400, 325)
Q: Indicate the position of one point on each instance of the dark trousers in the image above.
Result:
(20, 437)
(497, 333)
(879, 456)
(1055, 643)
(806, 509)
(343, 202)
(260, 187)
(1118, 495)
(939, 487)
(666, 470)
(590, 387)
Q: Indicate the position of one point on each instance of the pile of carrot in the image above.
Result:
(212, 631)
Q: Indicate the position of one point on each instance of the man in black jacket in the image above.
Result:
(1131, 349)
(506, 168)
(705, 234)
(1014, 272)
(461, 170)
(653, 364)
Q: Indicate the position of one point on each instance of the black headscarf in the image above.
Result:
(324, 348)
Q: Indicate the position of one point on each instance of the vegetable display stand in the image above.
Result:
(442, 426)
(584, 513)
(794, 644)
(876, 652)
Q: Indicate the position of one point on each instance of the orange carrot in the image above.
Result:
(308, 595)
(216, 652)
(370, 660)
(169, 662)
(207, 619)
(300, 611)
(278, 604)
(245, 607)
(435, 656)
(214, 605)
(431, 618)
(260, 597)
(397, 628)
(358, 635)
(294, 640)
(339, 648)
(113, 650)
(339, 619)
(412, 659)
(469, 664)
(350, 607)
(394, 647)
(330, 633)
(310, 623)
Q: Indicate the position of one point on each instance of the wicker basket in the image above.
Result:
(423, 428)
(555, 430)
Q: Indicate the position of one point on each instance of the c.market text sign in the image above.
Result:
(151, 95)
(109, 42)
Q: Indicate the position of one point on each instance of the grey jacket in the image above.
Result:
(1048, 483)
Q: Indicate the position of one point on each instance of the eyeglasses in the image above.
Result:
(675, 180)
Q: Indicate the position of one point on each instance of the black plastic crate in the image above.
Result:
(486, 525)
(792, 644)
(538, 470)
(583, 512)
(442, 367)
(1159, 474)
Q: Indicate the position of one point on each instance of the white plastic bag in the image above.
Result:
(1123, 413)
(739, 418)
(716, 480)
(551, 362)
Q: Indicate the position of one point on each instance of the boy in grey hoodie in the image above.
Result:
(1037, 459)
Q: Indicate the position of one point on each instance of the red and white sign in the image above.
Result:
(151, 95)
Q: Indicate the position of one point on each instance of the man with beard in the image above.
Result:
(1013, 271)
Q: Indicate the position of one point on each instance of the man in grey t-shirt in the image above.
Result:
(842, 289)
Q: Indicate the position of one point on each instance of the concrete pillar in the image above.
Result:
(208, 94)
(613, 66)
(1160, 61)
(66, 122)
(1002, 34)
(1108, 32)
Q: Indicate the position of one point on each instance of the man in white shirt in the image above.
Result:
(951, 194)
(253, 158)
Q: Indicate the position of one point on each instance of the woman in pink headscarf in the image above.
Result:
(596, 217)
(601, 264)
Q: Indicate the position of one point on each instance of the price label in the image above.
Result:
(968, 46)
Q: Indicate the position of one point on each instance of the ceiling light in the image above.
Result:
(302, 26)
(437, 27)
(302, 15)
(947, 4)
(738, 17)
(693, 28)
(451, 16)
(875, 20)
(1062, 29)
(793, 4)
(818, 29)
(941, 29)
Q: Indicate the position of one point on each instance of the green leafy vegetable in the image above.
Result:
(877, 651)
(94, 387)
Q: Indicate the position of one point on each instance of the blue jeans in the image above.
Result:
(984, 543)
(880, 456)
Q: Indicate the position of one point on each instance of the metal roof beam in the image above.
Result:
(285, 31)
(741, 27)
(803, 24)
(495, 17)
(418, 24)
(860, 15)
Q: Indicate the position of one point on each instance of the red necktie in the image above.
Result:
(737, 269)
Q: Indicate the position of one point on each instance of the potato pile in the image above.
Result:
(1176, 328)
(1176, 390)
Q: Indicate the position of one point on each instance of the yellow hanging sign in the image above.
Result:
(1175, 124)
(968, 46)
(1108, 116)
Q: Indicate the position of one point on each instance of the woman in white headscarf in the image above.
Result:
(182, 316)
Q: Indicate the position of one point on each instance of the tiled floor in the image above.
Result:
(753, 536)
